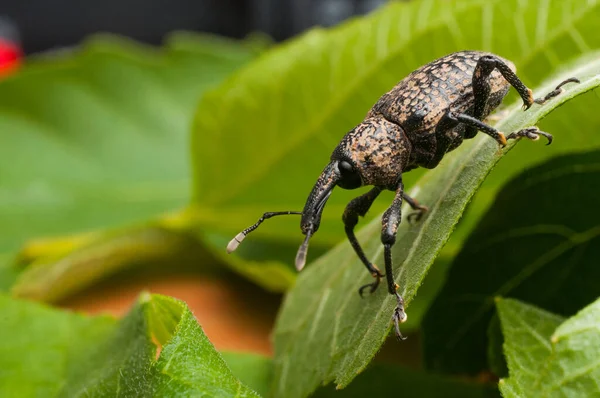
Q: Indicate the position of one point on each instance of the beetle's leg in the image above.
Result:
(391, 220)
(557, 91)
(533, 133)
(477, 124)
(359, 207)
(419, 208)
(485, 66)
(481, 91)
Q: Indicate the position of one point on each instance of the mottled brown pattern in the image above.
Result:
(417, 105)
(378, 148)
(401, 131)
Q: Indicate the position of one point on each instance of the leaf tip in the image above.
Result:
(145, 297)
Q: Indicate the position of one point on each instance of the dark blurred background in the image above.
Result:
(46, 24)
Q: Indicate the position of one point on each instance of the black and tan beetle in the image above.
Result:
(423, 117)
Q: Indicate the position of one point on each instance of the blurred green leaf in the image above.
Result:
(549, 359)
(325, 331)
(391, 381)
(40, 348)
(272, 126)
(495, 353)
(67, 265)
(538, 243)
(98, 138)
(255, 371)
(49, 353)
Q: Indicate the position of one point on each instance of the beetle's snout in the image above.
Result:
(313, 209)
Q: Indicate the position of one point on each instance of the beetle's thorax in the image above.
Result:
(378, 148)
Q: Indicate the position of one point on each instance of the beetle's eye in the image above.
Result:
(345, 167)
(350, 179)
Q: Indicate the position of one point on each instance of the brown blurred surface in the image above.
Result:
(234, 314)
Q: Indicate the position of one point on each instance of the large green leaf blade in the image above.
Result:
(100, 136)
(98, 356)
(325, 331)
(540, 254)
(558, 360)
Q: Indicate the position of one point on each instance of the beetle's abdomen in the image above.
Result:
(419, 102)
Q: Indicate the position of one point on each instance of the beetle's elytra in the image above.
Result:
(415, 124)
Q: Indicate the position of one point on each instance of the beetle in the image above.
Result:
(426, 115)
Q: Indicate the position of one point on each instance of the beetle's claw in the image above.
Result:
(556, 92)
(417, 215)
(373, 285)
(532, 133)
(529, 101)
(399, 317)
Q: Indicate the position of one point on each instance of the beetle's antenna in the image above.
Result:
(235, 242)
(301, 255)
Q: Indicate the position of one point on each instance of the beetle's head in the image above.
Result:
(373, 153)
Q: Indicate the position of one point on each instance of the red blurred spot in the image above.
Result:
(10, 58)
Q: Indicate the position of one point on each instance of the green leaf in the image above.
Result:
(530, 327)
(98, 138)
(40, 348)
(273, 124)
(533, 251)
(549, 359)
(97, 356)
(189, 365)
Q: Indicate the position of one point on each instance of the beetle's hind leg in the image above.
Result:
(481, 87)
(359, 207)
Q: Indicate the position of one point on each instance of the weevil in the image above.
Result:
(426, 115)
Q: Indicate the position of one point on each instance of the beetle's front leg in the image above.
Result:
(359, 207)
(391, 220)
